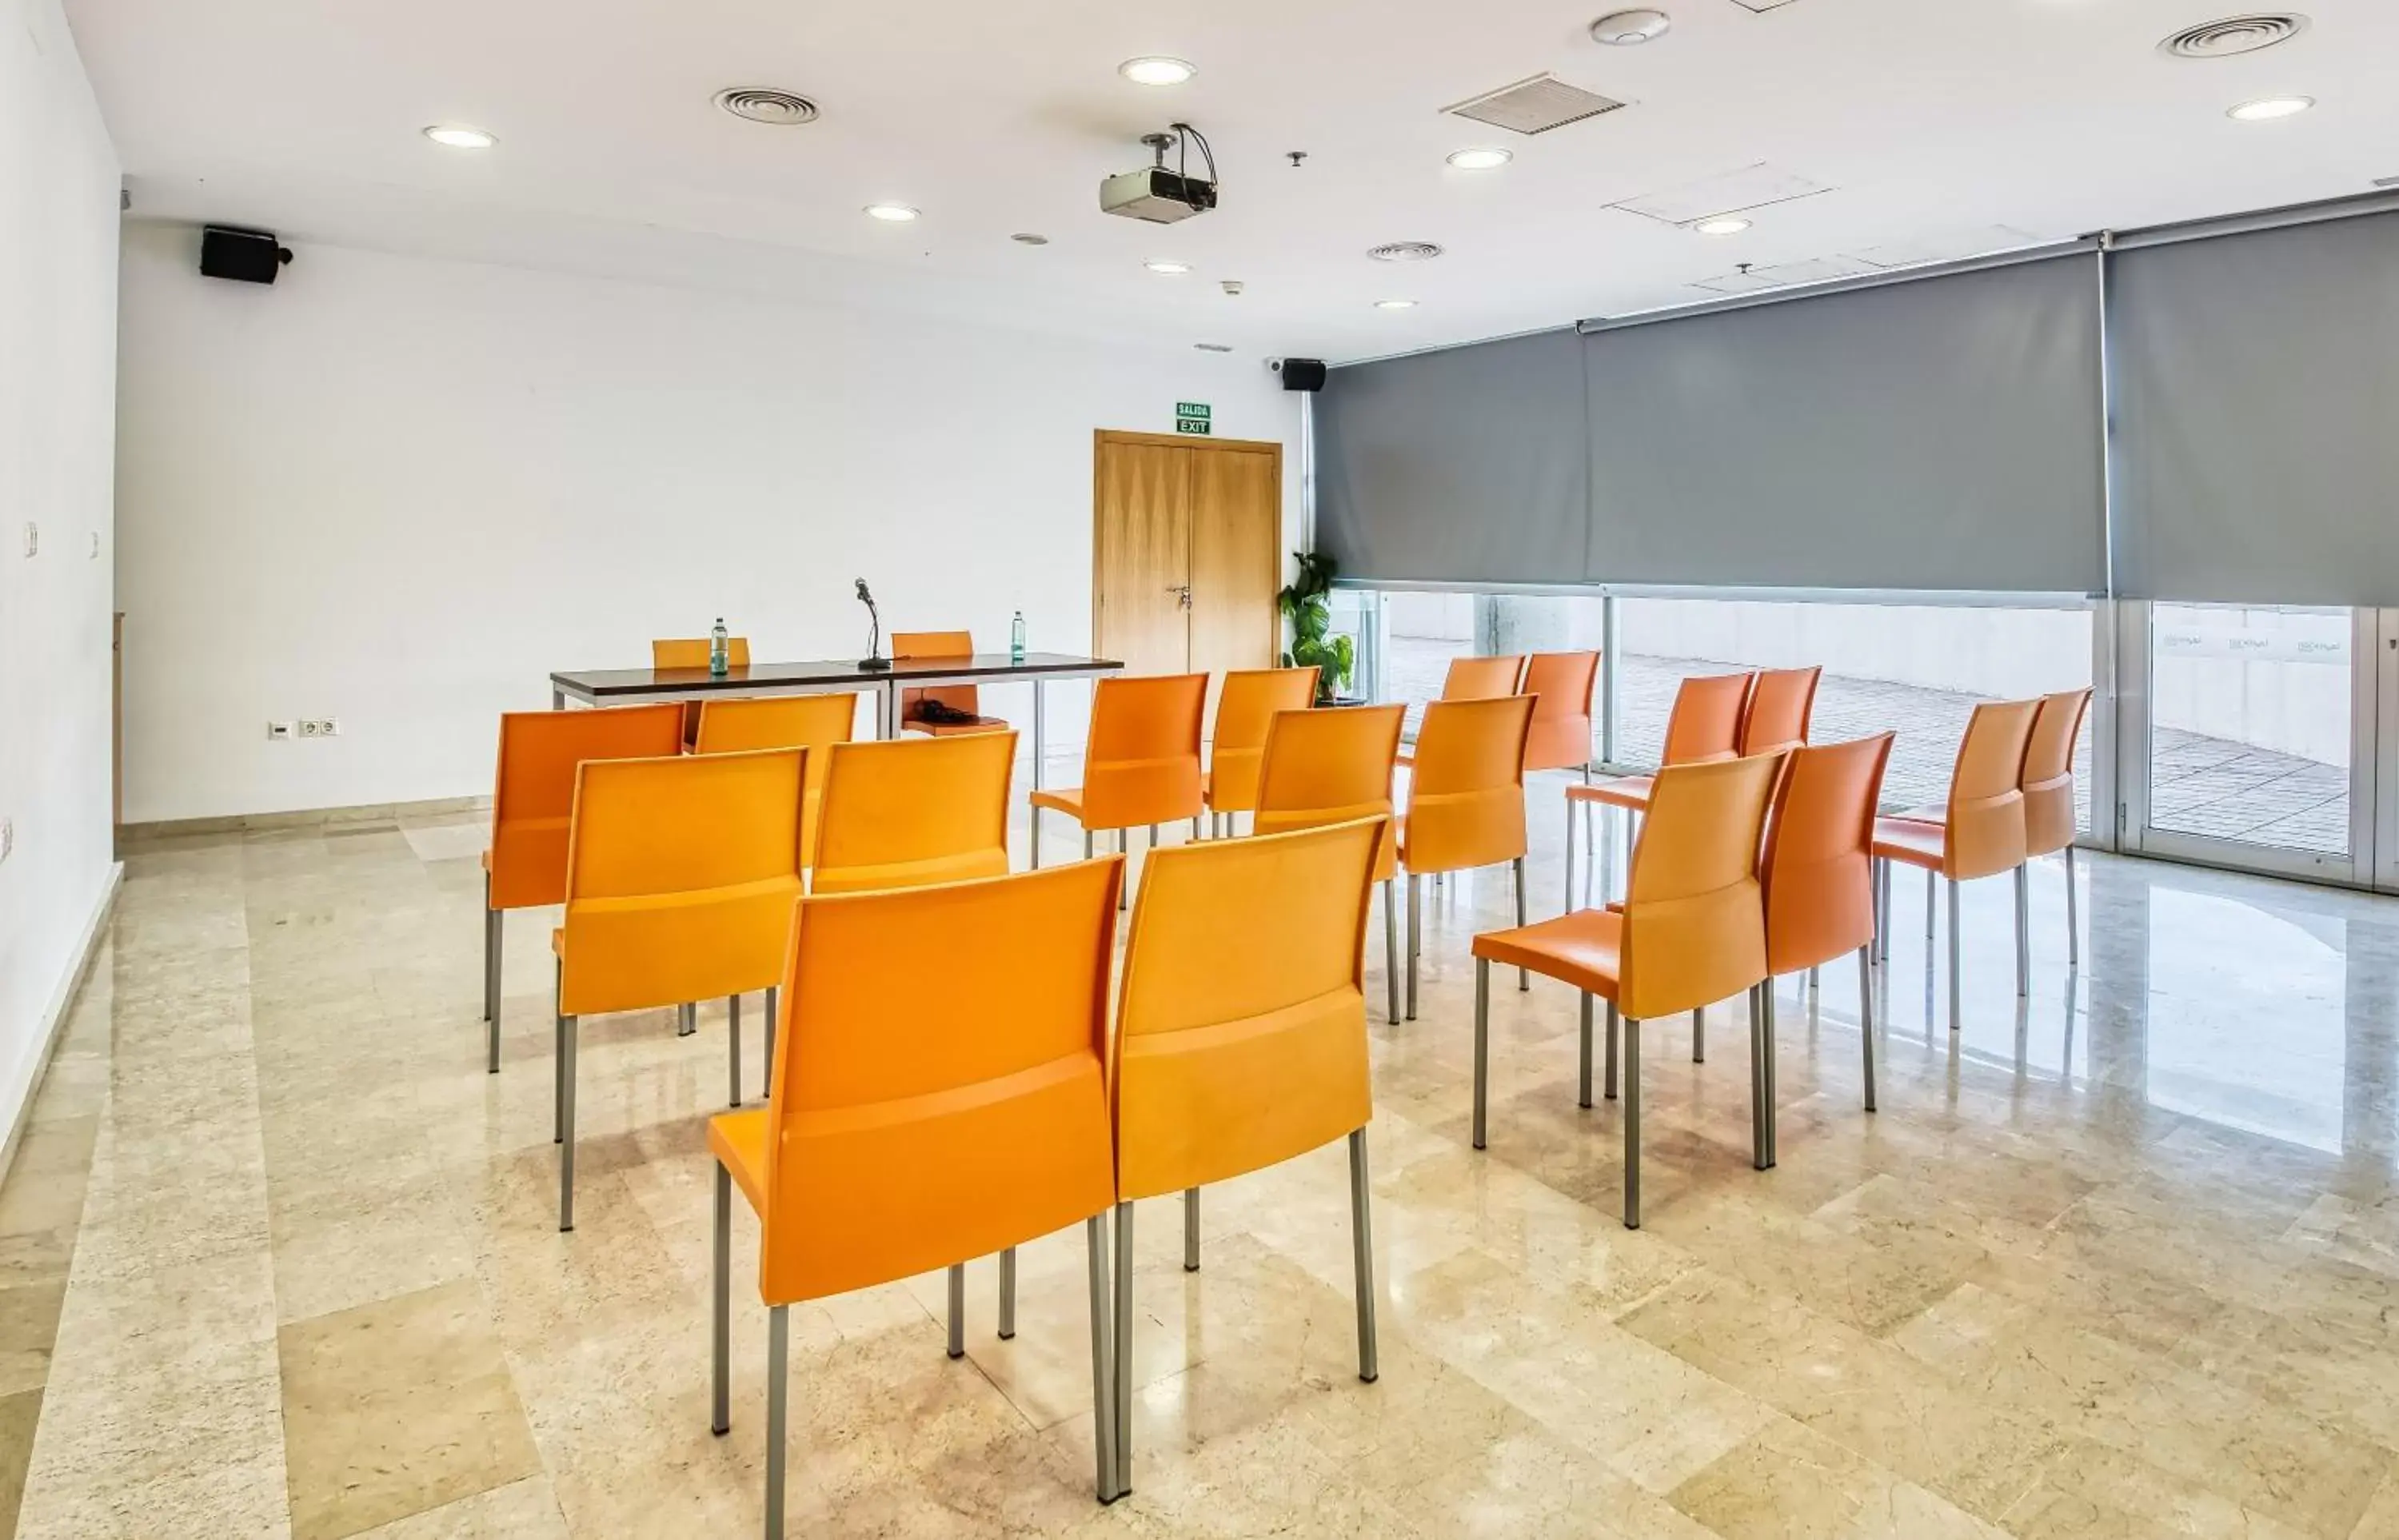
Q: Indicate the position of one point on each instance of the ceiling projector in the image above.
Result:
(1160, 193)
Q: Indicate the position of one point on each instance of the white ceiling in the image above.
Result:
(1938, 124)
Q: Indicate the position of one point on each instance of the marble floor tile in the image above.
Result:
(278, 1257)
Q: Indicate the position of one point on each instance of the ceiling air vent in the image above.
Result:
(2234, 35)
(1534, 106)
(1405, 250)
(764, 104)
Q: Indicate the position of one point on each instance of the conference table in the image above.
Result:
(631, 686)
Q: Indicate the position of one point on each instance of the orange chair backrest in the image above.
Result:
(1331, 766)
(1780, 704)
(782, 722)
(1987, 801)
(1694, 911)
(1244, 711)
(1241, 1037)
(2049, 821)
(691, 652)
(941, 1079)
(1561, 736)
(1482, 678)
(533, 798)
(905, 812)
(1466, 800)
(679, 879)
(1705, 723)
(1142, 762)
(963, 697)
(1818, 862)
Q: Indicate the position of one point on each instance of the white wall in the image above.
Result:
(57, 372)
(400, 492)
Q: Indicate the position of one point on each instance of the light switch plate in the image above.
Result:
(33, 538)
(278, 731)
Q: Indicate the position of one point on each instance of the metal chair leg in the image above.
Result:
(1123, 1343)
(1008, 1294)
(1955, 990)
(720, 1419)
(1195, 827)
(566, 1123)
(491, 938)
(2073, 929)
(733, 1049)
(1361, 1255)
(1095, 1246)
(1768, 1106)
(687, 1019)
(1087, 845)
(1932, 892)
(1757, 1079)
(1033, 834)
(1416, 937)
(779, 1401)
(1481, 1042)
(1392, 945)
(557, 1064)
(1523, 976)
(1632, 1124)
(1614, 1022)
(1567, 907)
(1191, 1229)
(1582, 1085)
(772, 1002)
(1700, 1035)
(2024, 931)
(958, 1280)
(1866, 1018)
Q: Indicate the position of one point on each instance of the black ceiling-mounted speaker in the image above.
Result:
(246, 256)
(1303, 374)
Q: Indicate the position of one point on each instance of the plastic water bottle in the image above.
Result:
(720, 654)
(1016, 639)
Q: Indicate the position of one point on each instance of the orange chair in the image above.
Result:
(1818, 874)
(2051, 821)
(913, 1128)
(533, 799)
(1692, 930)
(1704, 726)
(679, 879)
(782, 722)
(1241, 1041)
(1780, 701)
(1142, 765)
(1466, 803)
(691, 652)
(963, 698)
(1244, 711)
(905, 812)
(1326, 767)
(1980, 834)
(1560, 738)
(1482, 678)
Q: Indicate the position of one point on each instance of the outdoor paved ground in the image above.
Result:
(2200, 784)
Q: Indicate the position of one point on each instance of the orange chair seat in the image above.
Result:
(1631, 791)
(739, 1142)
(1911, 842)
(1585, 949)
(947, 729)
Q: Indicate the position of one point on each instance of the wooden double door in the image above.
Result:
(1186, 553)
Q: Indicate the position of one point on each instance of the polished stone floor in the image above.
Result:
(2119, 1260)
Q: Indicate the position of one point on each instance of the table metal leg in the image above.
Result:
(1040, 738)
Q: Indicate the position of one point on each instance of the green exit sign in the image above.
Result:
(1191, 424)
(1191, 416)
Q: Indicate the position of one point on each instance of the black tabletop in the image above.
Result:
(602, 683)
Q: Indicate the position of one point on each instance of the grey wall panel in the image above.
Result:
(1460, 465)
(1936, 434)
(2257, 394)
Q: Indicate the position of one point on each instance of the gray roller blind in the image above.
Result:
(2256, 392)
(1942, 433)
(1461, 465)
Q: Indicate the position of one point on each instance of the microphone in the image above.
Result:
(873, 658)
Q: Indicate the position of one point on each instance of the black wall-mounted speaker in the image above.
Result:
(245, 256)
(1303, 374)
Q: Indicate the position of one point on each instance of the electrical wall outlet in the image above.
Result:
(329, 727)
(278, 731)
(33, 538)
(310, 727)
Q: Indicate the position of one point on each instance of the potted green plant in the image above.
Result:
(1307, 606)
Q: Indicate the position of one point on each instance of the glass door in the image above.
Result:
(2249, 737)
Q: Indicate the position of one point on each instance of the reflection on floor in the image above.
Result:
(2121, 1259)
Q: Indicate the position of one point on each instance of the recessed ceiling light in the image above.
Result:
(1480, 160)
(766, 104)
(1627, 29)
(457, 136)
(1155, 70)
(1026, 237)
(1723, 224)
(1395, 304)
(891, 213)
(2268, 108)
(1404, 251)
(1213, 348)
(1171, 269)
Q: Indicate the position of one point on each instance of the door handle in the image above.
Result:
(1181, 593)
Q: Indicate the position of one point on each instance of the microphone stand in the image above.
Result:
(873, 661)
